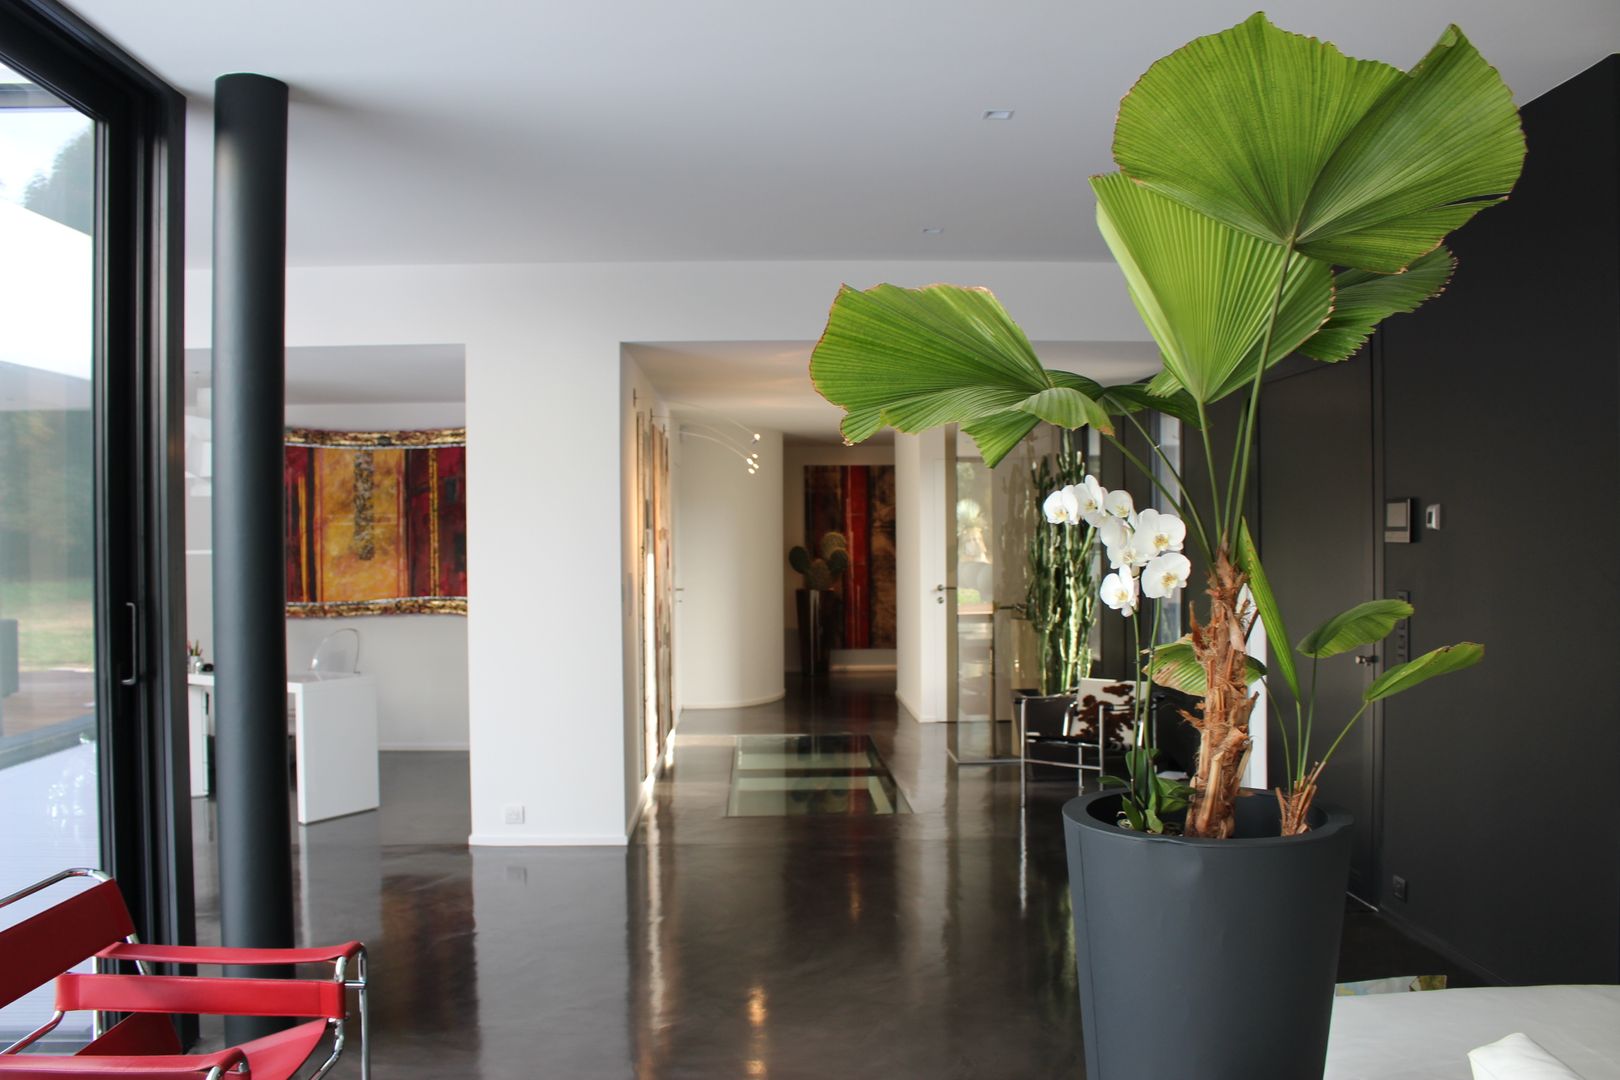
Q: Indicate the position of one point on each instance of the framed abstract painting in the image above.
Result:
(376, 522)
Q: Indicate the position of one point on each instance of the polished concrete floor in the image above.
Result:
(935, 943)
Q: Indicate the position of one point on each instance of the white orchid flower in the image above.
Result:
(1127, 548)
(1160, 532)
(1091, 496)
(1118, 504)
(1119, 592)
(1112, 531)
(1062, 508)
(1165, 574)
(1129, 553)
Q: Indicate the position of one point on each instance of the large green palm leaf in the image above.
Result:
(914, 359)
(1351, 161)
(1206, 290)
(1362, 300)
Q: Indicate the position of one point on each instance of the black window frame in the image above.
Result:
(137, 411)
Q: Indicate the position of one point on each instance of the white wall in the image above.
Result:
(728, 568)
(794, 459)
(908, 588)
(419, 661)
(921, 672)
(544, 379)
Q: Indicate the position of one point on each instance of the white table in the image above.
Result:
(335, 731)
(1427, 1035)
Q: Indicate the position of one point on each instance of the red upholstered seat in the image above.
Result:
(95, 923)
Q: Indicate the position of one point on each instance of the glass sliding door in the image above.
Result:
(92, 716)
(49, 769)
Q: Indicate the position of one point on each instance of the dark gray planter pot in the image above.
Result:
(820, 613)
(1206, 958)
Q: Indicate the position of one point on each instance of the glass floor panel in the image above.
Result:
(793, 775)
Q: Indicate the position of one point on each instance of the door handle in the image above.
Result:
(1367, 659)
(942, 590)
(134, 675)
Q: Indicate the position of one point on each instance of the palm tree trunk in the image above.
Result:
(1223, 724)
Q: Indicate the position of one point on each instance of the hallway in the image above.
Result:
(932, 943)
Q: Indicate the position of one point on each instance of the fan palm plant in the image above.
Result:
(1273, 197)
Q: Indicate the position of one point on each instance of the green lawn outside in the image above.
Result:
(54, 622)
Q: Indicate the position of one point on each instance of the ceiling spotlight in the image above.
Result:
(932, 230)
(998, 114)
(756, 436)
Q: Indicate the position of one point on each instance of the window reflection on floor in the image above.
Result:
(792, 775)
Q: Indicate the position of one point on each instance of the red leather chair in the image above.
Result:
(95, 923)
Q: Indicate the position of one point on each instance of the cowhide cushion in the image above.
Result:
(1093, 697)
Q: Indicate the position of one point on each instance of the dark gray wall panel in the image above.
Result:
(1502, 403)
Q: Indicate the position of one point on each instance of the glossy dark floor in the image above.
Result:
(935, 943)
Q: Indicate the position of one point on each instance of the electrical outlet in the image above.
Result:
(1400, 888)
(514, 813)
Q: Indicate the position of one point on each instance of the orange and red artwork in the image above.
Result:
(857, 501)
(376, 522)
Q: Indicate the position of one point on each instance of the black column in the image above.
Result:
(250, 644)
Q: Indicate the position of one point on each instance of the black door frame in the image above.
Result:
(139, 480)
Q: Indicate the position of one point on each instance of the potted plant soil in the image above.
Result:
(818, 604)
(1274, 197)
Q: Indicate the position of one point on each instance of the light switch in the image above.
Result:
(1398, 515)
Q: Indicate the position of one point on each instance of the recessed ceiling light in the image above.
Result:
(998, 114)
(932, 230)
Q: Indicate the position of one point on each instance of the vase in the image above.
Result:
(1206, 958)
(819, 611)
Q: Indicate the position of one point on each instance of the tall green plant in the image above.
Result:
(1060, 604)
(1274, 196)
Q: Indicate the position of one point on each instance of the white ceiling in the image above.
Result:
(356, 375)
(765, 384)
(513, 131)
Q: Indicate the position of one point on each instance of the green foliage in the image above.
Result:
(1353, 162)
(1061, 601)
(829, 568)
(1274, 197)
(1265, 603)
(918, 358)
(1175, 666)
(1149, 799)
(1362, 300)
(799, 559)
(1363, 624)
(1206, 290)
(1441, 661)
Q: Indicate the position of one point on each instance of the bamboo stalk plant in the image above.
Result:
(1274, 197)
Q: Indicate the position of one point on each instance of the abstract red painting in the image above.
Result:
(376, 522)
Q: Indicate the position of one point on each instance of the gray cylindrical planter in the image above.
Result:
(1206, 958)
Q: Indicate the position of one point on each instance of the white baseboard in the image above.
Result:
(687, 706)
(914, 712)
(433, 747)
(543, 840)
